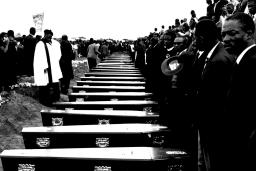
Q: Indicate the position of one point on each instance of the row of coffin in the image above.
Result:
(110, 123)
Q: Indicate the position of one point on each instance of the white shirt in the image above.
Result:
(92, 48)
(239, 58)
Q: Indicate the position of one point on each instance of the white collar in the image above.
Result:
(239, 58)
(210, 53)
(199, 53)
(171, 48)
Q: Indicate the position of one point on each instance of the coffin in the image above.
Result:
(113, 83)
(107, 135)
(117, 67)
(96, 159)
(97, 96)
(107, 88)
(113, 78)
(90, 117)
(115, 62)
(122, 74)
(115, 70)
(140, 105)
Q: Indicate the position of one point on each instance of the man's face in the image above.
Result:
(167, 40)
(48, 37)
(234, 37)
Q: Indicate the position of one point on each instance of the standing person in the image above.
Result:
(212, 91)
(47, 76)
(11, 60)
(4, 43)
(193, 20)
(238, 36)
(67, 56)
(140, 49)
(162, 30)
(210, 9)
(104, 49)
(92, 54)
(29, 50)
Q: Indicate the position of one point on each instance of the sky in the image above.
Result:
(116, 19)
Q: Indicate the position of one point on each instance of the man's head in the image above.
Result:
(3, 37)
(206, 34)
(177, 22)
(32, 31)
(238, 32)
(64, 37)
(48, 35)
(91, 41)
(209, 2)
(193, 13)
(10, 33)
(167, 38)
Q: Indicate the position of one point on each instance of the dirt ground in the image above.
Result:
(23, 109)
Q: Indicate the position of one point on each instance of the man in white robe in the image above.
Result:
(41, 77)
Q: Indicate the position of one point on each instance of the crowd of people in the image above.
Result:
(201, 72)
(26, 57)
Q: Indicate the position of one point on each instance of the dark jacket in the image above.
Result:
(67, 56)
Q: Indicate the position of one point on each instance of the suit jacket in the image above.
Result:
(214, 84)
(242, 93)
(29, 50)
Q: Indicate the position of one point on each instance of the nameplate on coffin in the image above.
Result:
(26, 167)
(108, 108)
(102, 142)
(102, 168)
(57, 121)
(103, 121)
(173, 167)
(68, 108)
(43, 142)
(158, 140)
(147, 109)
(114, 99)
(79, 99)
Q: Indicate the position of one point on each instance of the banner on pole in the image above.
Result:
(38, 21)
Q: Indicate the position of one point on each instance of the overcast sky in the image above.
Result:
(116, 19)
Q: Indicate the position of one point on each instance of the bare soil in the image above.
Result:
(23, 109)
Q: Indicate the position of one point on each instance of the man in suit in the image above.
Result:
(213, 86)
(29, 50)
(238, 36)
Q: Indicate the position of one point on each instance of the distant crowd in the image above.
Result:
(17, 53)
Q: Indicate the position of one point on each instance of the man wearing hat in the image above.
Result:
(212, 90)
(47, 76)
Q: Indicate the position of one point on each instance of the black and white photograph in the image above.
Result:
(128, 85)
